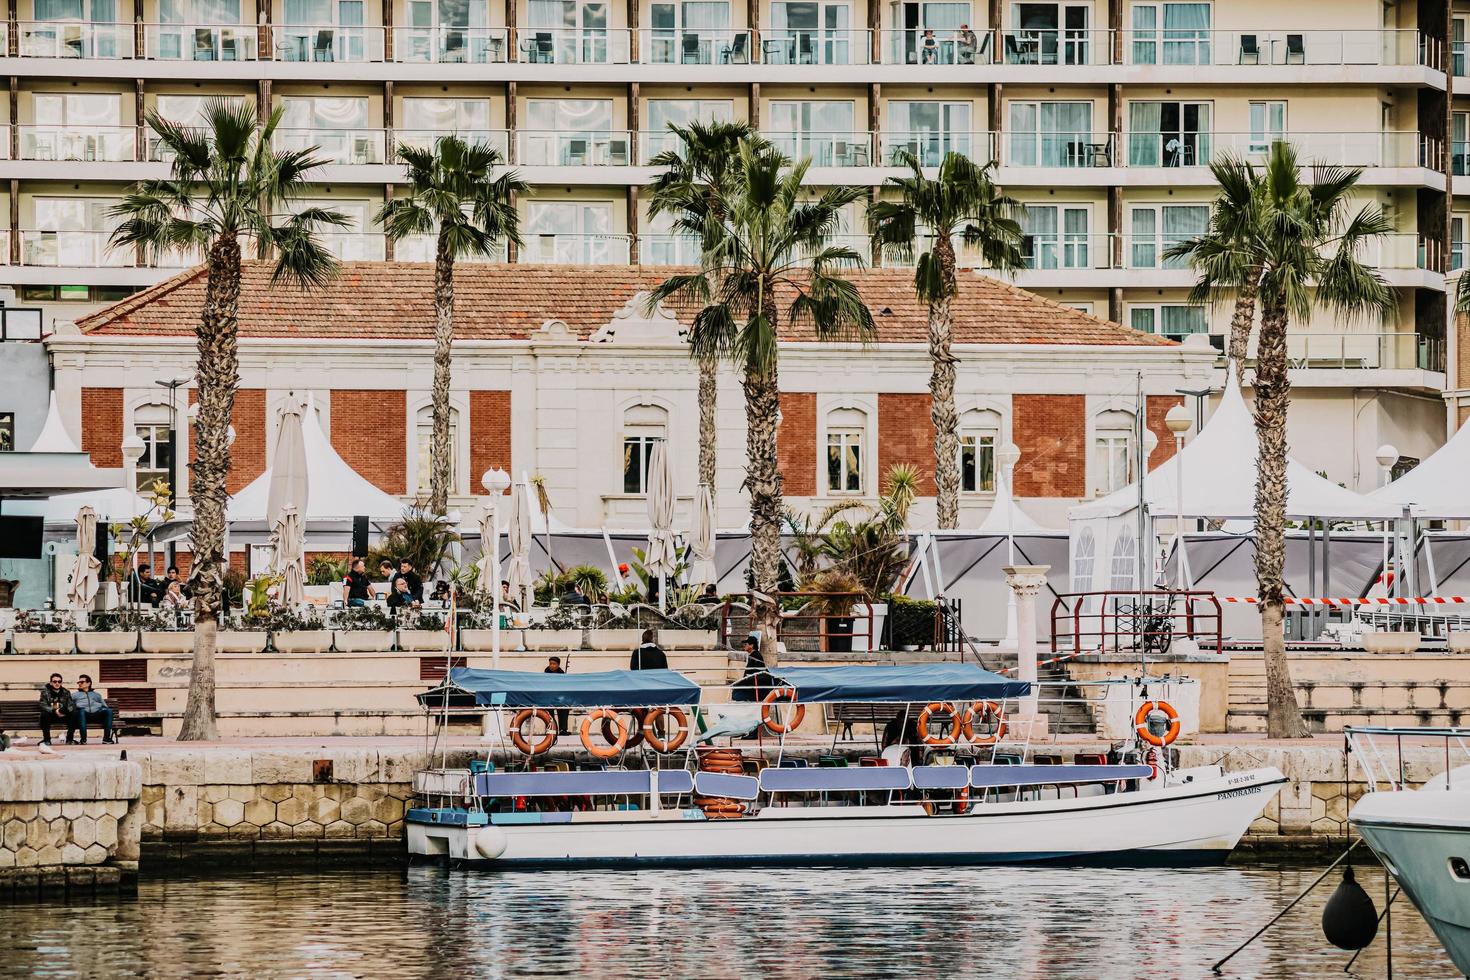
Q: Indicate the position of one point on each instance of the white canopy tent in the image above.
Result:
(1436, 488)
(1219, 481)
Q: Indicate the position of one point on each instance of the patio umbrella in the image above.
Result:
(520, 548)
(662, 551)
(702, 541)
(289, 560)
(84, 580)
(489, 578)
(288, 483)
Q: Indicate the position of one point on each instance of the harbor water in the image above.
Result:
(1013, 922)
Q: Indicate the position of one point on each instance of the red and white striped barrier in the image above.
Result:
(1422, 600)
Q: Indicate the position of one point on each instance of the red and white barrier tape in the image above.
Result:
(1430, 600)
(1053, 660)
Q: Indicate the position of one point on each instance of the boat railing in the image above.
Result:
(1389, 768)
(1146, 621)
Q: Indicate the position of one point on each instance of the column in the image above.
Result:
(140, 141)
(388, 33)
(633, 251)
(1026, 581)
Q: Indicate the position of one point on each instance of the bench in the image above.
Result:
(848, 713)
(23, 716)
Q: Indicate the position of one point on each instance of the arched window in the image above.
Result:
(1112, 451)
(979, 434)
(152, 425)
(1083, 559)
(643, 425)
(846, 432)
(1125, 560)
(425, 435)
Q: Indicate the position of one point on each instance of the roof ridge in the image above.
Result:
(110, 314)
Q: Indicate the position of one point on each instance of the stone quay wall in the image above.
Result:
(68, 825)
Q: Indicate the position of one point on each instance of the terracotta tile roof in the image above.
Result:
(394, 300)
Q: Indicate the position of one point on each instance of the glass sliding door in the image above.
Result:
(1168, 134)
(572, 233)
(929, 130)
(822, 131)
(1053, 134)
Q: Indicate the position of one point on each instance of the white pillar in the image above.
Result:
(1025, 582)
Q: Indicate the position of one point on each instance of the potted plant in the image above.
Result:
(422, 631)
(163, 631)
(36, 632)
(911, 622)
(299, 631)
(834, 590)
(477, 636)
(557, 631)
(113, 631)
(363, 629)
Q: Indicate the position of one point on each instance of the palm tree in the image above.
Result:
(700, 171)
(227, 184)
(1307, 240)
(961, 202)
(1228, 255)
(767, 265)
(455, 196)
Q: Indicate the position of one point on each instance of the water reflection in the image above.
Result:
(1004, 922)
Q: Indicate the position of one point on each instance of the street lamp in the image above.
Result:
(173, 385)
(1387, 457)
(495, 481)
(1008, 456)
(1178, 422)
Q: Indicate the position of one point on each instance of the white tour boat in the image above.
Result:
(965, 803)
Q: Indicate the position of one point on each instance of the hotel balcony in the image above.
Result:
(555, 248)
(1399, 359)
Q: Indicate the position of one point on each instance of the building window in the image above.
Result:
(572, 233)
(1173, 320)
(338, 128)
(846, 429)
(643, 425)
(1168, 134)
(1055, 237)
(663, 113)
(977, 462)
(1112, 451)
(425, 441)
(1268, 125)
(1053, 134)
(928, 130)
(1082, 561)
(151, 424)
(1457, 241)
(1172, 34)
(1154, 228)
(1125, 561)
(572, 133)
(821, 130)
(7, 432)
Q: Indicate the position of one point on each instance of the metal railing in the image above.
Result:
(351, 246)
(327, 42)
(80, 249)
(1055, 47)
(825, 149)
(451, 45)
(562, 148)
(668, 250)
(695, 46)
(1068, 150)
(201, 42)
(1361, 351)
(588, 46)
(787, 46)
(555, 248)
(75, 39)
(837, 622)
(424, 139)
(105, 143)
(345, 146)
(420, 248)
(1144, 622)
(930, 146)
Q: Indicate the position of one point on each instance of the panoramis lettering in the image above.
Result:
(167, 671)
(1243, 791)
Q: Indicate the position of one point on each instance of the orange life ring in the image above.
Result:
(977, 711)
(615, 746)
(650, 729)
(776, 727)
(1140, 723)
(939, 707)
(518, 735)
(634, 729)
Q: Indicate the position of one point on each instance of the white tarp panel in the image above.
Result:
(1437, 487)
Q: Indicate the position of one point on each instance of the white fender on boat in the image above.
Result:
(490, 842)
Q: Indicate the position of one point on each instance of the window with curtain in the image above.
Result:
(844, 460)
(78, 109)
(929, 130)
(570, 232)
(1171, 33)
(1168, 134)
(663, 113)
(1154, 228)
(569, 115)
(1056, 236)
(643, 426)
(151, 424)
(424, 442)
(1457, 242)
(1460, 144)
(1050, 134)
(979, 433)
(1173, 320)
(1268, 125)
(324, 112)
(444, 115)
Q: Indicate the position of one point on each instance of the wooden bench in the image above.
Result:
(25, 716)
(848, 713)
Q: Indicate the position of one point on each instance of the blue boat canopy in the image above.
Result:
(605, 689)
(899, 683)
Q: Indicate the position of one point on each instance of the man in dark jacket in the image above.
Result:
(649, 655)
(415, 584)
(55, 707)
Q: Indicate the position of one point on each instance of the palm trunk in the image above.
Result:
(1242, 320)
(941, 389)
(709, 367)
(1273, 395)
(763, 481)
(218, 377)
(440, 450)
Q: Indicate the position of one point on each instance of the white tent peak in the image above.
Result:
(1436, 487)
(1006, 516)
(338, 490)
(54, 438)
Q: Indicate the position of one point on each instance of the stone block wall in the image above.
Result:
(61, 821)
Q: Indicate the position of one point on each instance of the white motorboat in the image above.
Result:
(724, 806)
(1422, 836)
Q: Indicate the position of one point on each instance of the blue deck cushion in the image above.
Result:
(941, 777)
(446, 817)
(723, 784)
(982, 777)
(777, 780)
(906, 683)
(602, 689)
(614, 782)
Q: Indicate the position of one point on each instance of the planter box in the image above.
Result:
(119, 642)
(1395, 641)
(553, 639)
(45, 642)
(1459, 642)
(362, 641)
(612, 639)
(688, 639)
(241, 641)
(303, 641)
(479, 640)
(167, 641)
(421, 640)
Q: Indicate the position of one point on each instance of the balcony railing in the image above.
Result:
(346, 146)
(81, 249)
(1056, 48)
(697, 46)
(784, 46)
(420, 248)
(573, 249)
(451, 45)
(594, 46)
(425, 139)
(1361, 351)
(668, 250)
(201, 42)
(825, 149)
(541, 148)
(353, 246)
(1070, 150)
(930, 146)
(106, 143)
(327, 42)
(75, 39)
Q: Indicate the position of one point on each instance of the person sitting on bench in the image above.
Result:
(88, 703)
(55, 707)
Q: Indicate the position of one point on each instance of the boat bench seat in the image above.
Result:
(612, 782)
(831, 780)
(988, 777)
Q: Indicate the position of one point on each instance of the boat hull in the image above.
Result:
(1416, 835)
(1194, 823)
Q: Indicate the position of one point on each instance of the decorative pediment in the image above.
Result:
(641, 322)
(554, 332)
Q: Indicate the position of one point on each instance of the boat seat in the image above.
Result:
(985, 777)
(726, 785)
(941, 777)
(833, 780)
(1090, 759)
(615, 782)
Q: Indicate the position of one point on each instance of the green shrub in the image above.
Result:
(910, 621)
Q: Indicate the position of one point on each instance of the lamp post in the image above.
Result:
(173, 385)
(1178, 422)
(1387, 457)
(1008, 456)
(495, 481)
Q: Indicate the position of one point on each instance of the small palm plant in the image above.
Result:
(228, 187)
